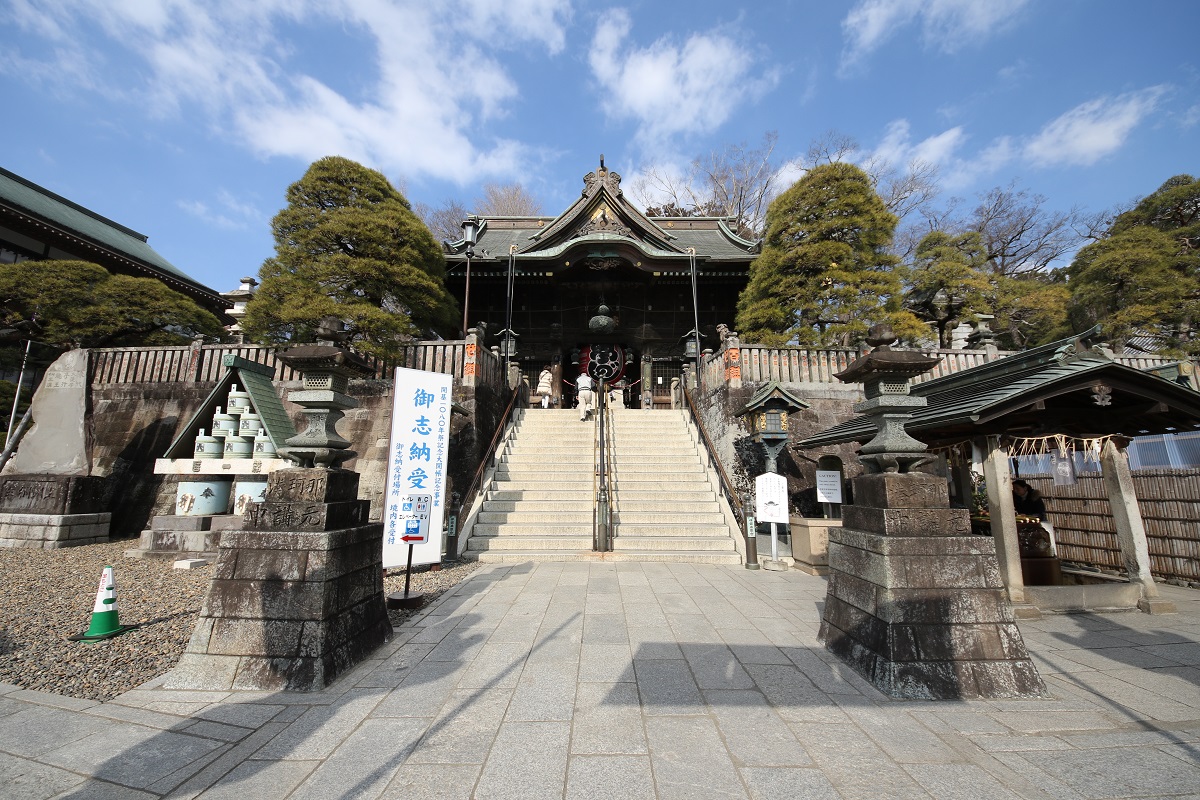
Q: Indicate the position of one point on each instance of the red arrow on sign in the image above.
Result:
(412, 538)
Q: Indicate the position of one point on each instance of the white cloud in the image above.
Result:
(231, 214)
(946, 25)
(672, 88)
(252, 71)
(1080, 137)
(1091, 130)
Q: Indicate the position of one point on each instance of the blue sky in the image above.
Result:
(187, 119)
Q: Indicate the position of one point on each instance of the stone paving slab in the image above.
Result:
(628, 680)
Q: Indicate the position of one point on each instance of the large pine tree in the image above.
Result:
(1143, 276)
(349, 246)
(825, 274)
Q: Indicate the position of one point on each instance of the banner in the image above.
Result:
(415, 500)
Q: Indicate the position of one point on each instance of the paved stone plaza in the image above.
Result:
(638, 680)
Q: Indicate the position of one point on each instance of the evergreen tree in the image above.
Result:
(946, 282)
(1143, 277)
(349, 246)
(80, 304)
(825, 275)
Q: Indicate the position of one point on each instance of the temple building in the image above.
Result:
(38, 224)
(601, 284)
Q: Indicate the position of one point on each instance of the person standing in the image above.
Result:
(587, 397)
(545, 385)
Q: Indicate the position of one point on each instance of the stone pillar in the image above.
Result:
(733, 360)
(1004, 519)
(915, 604)
(471, 360)
(297, 597)
(1131, 532)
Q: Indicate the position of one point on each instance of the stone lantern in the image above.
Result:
(325, 371)
(767, 412)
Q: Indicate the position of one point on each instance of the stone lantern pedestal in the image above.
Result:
(297, 595)
(915, 603)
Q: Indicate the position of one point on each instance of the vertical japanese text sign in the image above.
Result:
(415, 500)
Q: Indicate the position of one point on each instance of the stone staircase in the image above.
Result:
(539, 504)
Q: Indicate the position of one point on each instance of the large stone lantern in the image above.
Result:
(325, 371)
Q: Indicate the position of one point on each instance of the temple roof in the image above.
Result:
(604, 221)
(51, 213)
(1071, 387)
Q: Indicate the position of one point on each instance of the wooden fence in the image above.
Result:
(204, 363)
(760, 364)
(1169, 500)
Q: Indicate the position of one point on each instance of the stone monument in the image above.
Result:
(297, 595)
(915, 603)
(48, 495)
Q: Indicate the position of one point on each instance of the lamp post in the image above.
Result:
(470, 227)
(695, 312)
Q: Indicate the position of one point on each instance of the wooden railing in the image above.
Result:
(794, 365)
(200, 363)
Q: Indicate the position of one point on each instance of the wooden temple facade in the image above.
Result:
(601, 287)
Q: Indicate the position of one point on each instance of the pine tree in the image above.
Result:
(80, 304)
(1143, 276)
(946, 281)
(349, 246)
(825, 275)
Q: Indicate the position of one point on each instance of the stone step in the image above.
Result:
(706, 544)
(636, 529)
(490, 543)
(524, 517)
(530, 529)
(517, 557)
(510, 492)
(659, 517)
(539, 506)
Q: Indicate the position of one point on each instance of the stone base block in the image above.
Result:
(901, 490)
(52, 494)
(908, 521)
(51, 531)
(1157, 606)
(287, 610)
(273, 515)
(810, 543)
(925, 617)
(172, 536)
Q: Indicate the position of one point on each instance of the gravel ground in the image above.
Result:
(47, 595)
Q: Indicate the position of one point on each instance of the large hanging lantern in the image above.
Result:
(603, 322)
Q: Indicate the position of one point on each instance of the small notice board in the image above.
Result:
(829, 486)
(770, 498)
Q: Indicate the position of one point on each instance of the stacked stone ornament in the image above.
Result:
(915, 603)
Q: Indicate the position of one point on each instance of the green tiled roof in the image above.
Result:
(256, 380)
(989, 399)
(62, 213)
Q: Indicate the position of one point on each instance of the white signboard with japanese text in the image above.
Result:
(829, 486)
(771, 498)
(415, 500)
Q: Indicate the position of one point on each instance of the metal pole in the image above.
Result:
(408, 571)
(467, 295)
(512, 261)
(695, 312)
(20, 380)
(751, 534)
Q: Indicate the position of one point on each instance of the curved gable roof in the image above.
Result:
(1072, 387)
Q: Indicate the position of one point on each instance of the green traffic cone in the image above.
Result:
(105, 623)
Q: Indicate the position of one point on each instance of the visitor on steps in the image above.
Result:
(587, 397)
(545, 385)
